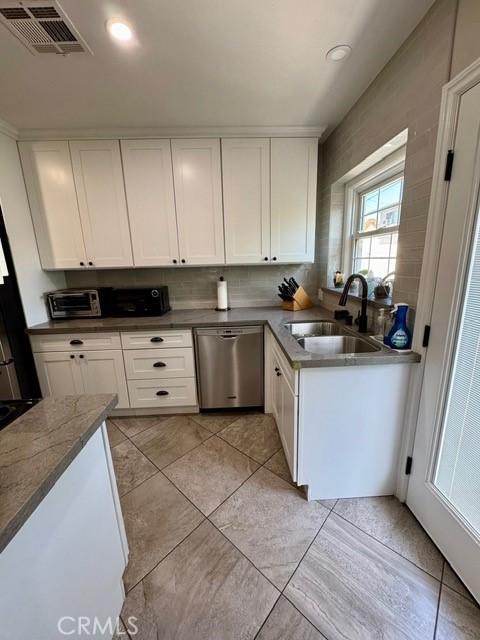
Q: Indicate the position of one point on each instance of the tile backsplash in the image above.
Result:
(196, 287)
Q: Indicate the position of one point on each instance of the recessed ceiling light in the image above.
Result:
(119, 29)
(339, 53)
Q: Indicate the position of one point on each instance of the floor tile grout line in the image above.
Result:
(386, 546)
(268, 616)
(127, 591)
(223, 501)
(156, 472)
(127, 417)
(296, 568)
(246, 454)
(438, 603)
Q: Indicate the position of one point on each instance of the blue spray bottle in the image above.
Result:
(399, 336)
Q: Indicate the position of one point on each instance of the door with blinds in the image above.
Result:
(444, 490)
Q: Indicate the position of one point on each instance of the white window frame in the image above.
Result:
(380, 173)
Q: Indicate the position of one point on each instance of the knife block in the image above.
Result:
(300, 301)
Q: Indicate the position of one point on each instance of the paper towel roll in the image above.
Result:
(222, 297)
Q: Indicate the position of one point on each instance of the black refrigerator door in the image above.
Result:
(14, 342)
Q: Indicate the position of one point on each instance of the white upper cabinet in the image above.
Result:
(293, 198)
(246, 199)
(147, 166)
(53, 202)
(97, 170)
(198, 197)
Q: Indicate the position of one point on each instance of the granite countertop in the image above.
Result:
(274, 317)
(36, 449)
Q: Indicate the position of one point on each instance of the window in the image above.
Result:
(376, 234)
(372, 216)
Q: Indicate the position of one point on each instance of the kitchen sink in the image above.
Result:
(327, 345)
(318, 328)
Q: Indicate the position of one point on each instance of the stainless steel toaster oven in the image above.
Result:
(75, 303)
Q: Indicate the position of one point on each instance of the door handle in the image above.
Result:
(162, 392)
(156, 339)
(76, 341)
(5, 363)
(159, 364)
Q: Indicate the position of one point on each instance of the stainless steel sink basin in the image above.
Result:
(319, 328)
(336, 345)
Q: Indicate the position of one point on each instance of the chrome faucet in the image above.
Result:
(362, 319)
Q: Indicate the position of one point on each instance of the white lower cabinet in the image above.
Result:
(66, 373)
(161, 369)
(58, 373)
(103, 372)
(283, 402)
(159, 372)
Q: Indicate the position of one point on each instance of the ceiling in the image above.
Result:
(205, 63)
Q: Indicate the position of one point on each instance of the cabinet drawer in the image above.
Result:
(162, 339)
(290, 375)
(75, 342)
(176, 392)
(145, 364)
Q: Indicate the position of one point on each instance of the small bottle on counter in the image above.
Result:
(380, 322)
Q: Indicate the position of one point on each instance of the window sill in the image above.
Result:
(381, 303)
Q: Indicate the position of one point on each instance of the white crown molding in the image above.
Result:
(173, 132)
(8, 129)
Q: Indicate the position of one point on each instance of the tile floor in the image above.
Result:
(223, 546)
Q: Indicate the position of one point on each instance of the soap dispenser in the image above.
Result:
(399, 336)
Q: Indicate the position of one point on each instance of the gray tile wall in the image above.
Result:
(405, 94)
(196, 287)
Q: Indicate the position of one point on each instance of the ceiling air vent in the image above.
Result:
(43, 27)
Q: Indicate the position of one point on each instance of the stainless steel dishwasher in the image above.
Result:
(229, 366)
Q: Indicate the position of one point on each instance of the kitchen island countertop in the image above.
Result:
(36, 449)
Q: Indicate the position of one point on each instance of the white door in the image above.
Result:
(198, 196)
(59, 373)
(293, 166)
(47, 168)
(246, 199)
(104, 372)
(97, 169)
(444, 489)
(147, 167)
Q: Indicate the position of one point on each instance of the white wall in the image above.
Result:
(32, 281)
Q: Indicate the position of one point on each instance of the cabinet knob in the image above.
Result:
(81, 355)
(159, 364)
(76, 341)
(266, 258)
(90, 263)
(183, 260)
(277, 369)
(156, 339)
(174, 261)
(162, 393)
(71, 355)
(82, 264)
(279, 373)
(274, 258)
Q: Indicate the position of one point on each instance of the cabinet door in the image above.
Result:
(97, 169)
(103, 372)
(293, 198)
(198, 196)
(288, 430)
(276, 390)
(147, 166)
(59, 373)
(53, 202)
(246, 200)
